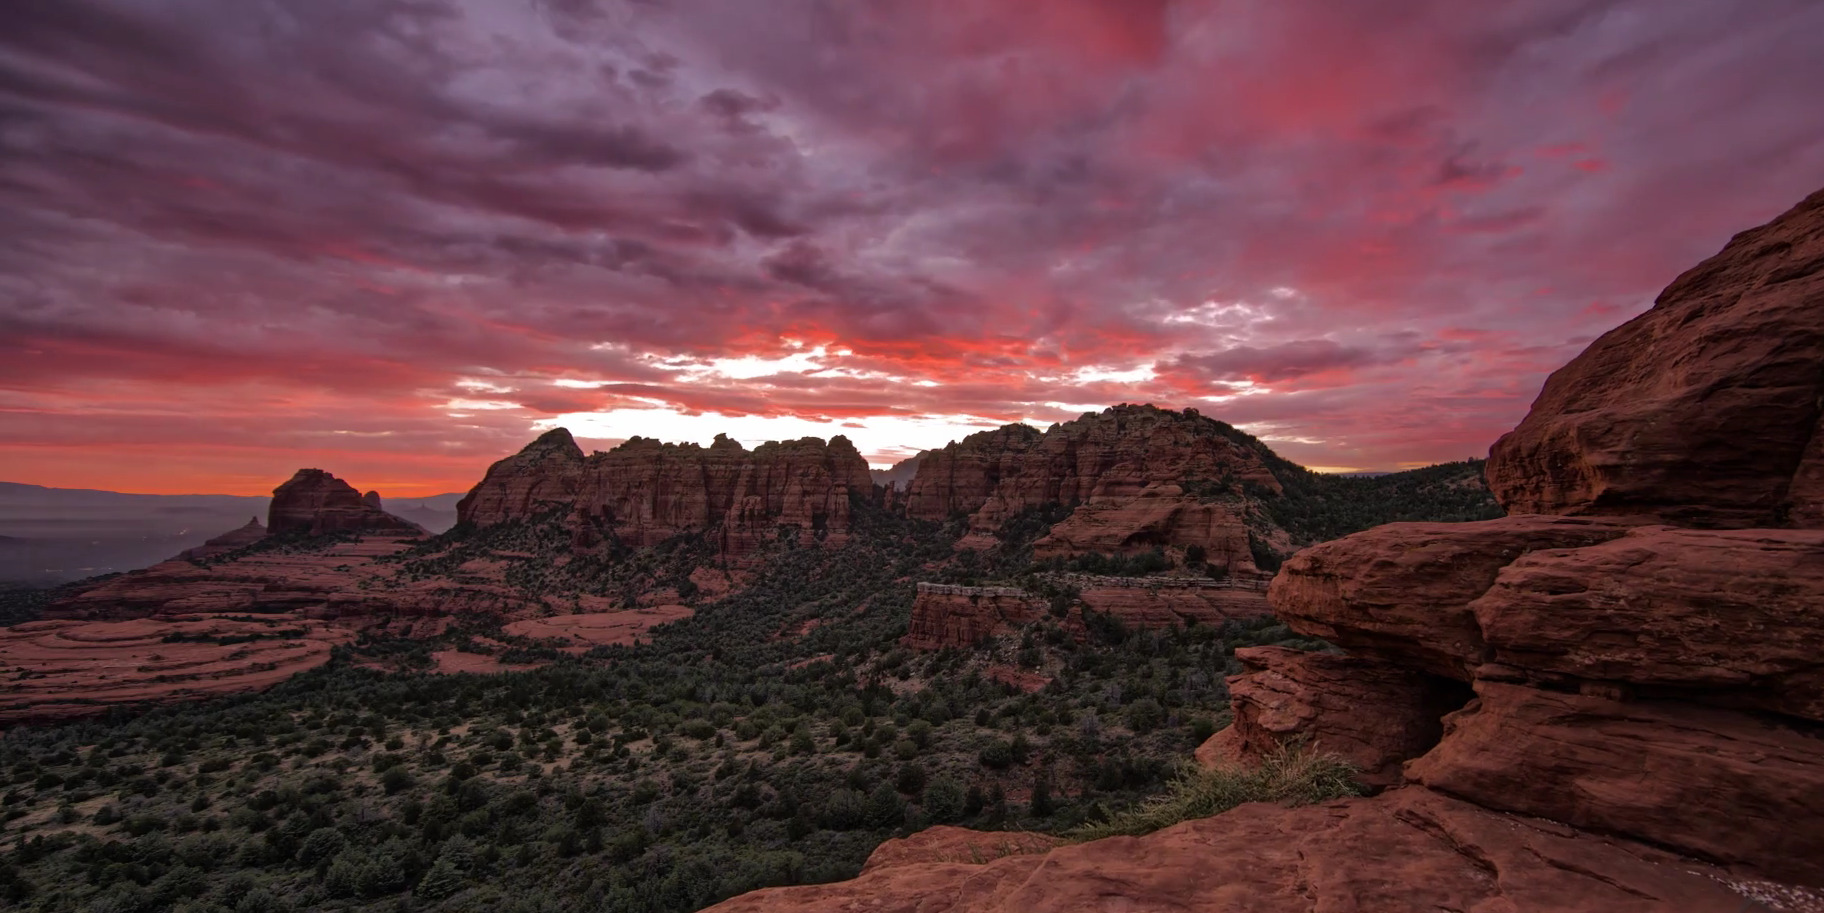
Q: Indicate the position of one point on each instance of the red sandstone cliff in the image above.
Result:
(1706, 410)
(1126, 468)
(313, 503)
(645, 491)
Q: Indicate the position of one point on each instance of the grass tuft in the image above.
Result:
(1292, 776)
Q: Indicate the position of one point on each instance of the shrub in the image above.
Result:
(998, 755)
(945, 801)
(1145, 715)
(885, 807)
(396, 780)
(322, 844)
(1288, 776)
(1201, 729)
(911, 779)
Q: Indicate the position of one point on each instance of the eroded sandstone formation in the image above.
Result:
(962, 616)
(1125, 468)
(1704, 411)
(1372, 714)
(58, 669)
(645, 492)
(313, 503)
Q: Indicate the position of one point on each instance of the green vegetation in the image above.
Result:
(1317, 507)
(774, 737)
(1290, 777)
(727, 754)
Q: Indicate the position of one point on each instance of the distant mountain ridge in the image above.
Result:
(54, 535)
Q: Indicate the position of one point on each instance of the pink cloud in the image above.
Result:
(379, 240)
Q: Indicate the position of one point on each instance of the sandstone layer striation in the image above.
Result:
(1124, 470)
(1705, 410)
(644, 492)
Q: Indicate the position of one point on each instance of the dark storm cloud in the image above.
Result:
(1391, 218)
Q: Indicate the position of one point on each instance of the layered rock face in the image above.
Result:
(1707, 410)
(645, 492)
(1652, 681)
(961, 616)
(313, 503)
(543, 477)
(1125, 467)
(962, 476)
(1374, 715)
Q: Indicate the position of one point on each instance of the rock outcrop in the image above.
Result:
(1704, 411)
(60, 669)
(1371, 714)
(644, 492)
(1160, 514)
(1737, 789)
(1646, 731)
(1125, 470)
(313, 503)
(543, 477)
(962, 616)
(1634, 678)
(1405, 850)
(1401, 592)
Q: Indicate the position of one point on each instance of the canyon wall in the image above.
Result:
(1707, 410)
(1124, 468)
(645, 491)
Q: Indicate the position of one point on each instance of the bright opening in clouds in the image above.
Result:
(397, 238)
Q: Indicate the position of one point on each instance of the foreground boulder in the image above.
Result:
(1730, 617)
(1741, 790)
(1407, 849)
(1402, 592)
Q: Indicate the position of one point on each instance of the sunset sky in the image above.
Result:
(397, 238)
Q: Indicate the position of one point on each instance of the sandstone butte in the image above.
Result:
(644, 491)
(313, 502)
(1124, 468)
(1610, 700)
